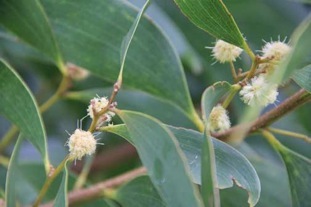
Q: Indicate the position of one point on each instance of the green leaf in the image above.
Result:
(301, 49)
(303, 78)
(299, 171)
(210, 193)
(164, 160)
(151, 105)
(129, 37)
(19, 106)
(95, 43)
(29, 22)
(139, 192)
(61, 199)
(231, 165)
(12, 174)
(213, 17)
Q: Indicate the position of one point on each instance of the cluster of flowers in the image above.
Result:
(258, 91)
(82, 142)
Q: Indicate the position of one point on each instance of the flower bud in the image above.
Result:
(275, 51)
(77, 73)
(96, 105)
(218, 120)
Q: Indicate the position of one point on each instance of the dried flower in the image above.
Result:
(218, 120)
(77, 73)
(225, 52)
(81, 143)
(259, 92)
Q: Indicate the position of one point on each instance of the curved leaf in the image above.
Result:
(299, 171)
(231, 165)
(139, 192)
(212, 95)
(160, 153)
(12, 174)
(303, 78)
(29, 22)
(19, 106)
(213, 17)
(61, 199)
(209, 191)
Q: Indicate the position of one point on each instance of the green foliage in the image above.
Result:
(303, 78)
(163, 110)
(213, 17)
(160, 153)
(139, 187)
(16, 95)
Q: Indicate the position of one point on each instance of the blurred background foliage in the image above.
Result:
(258, 20)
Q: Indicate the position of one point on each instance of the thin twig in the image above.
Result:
(290, 134)
(298, 99)
(98, 190)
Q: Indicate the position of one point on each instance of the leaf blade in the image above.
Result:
(303, 78)
(160, 164)
(228, 160)
(29, 21)
(19, 106)
(213, 17)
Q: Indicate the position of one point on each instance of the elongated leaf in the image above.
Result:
(28, 20)
(210, 193)
(139, 192)
(213, 17)
(19, 106)
(301, 49)
(299, 171)
(128, 99)
(61, 199)
(151, 64)
(164, 160)
(129, 37)
(12, 174)
(303, 78)
(231, 165)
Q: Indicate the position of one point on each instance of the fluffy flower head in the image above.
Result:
(276, 50)
(259, 92)
(225, 52)
(81, 143)
(97, 104)
(218, 120)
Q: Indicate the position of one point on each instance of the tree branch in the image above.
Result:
(298, 99)
(98, 190)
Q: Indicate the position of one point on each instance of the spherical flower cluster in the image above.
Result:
(77, 73)
(276, 50)
(259, 92)
(96, 105)
(225, 52)
(81, 143)
(218, 120)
